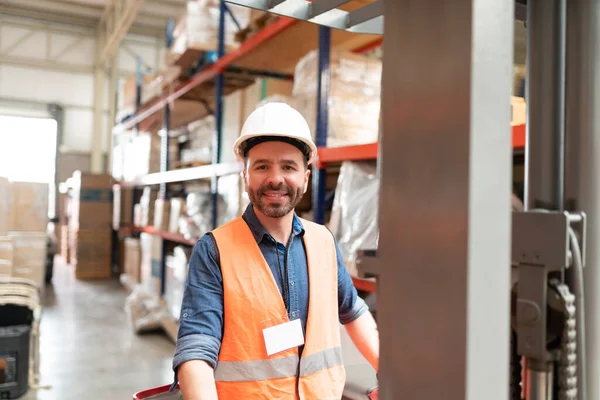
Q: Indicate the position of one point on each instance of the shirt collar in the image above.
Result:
(259, 232)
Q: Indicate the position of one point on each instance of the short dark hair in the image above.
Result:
(250, 143)
(304, 159)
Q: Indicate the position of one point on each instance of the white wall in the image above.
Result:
(40, 64)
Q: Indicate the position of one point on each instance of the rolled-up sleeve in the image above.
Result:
(351, 306)
(201, 319)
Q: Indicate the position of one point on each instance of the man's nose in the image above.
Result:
(275, 178)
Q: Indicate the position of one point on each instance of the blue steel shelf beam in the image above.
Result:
(323, 83)
(218, 116)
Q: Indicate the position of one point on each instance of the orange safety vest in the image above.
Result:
(252, 302)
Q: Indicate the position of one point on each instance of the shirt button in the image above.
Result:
(292, 283)
(185, 315)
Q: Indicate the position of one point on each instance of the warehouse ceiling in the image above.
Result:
(151, 19)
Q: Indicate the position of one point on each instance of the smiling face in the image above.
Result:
(275, 178)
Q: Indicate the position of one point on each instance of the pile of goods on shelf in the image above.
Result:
(135, 156)
(354, 96)
(23, 230)
(198, 29)
(354, 217)
(197, 148)
(142, 274)
(195, 36)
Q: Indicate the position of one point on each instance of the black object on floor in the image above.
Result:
(14, 361)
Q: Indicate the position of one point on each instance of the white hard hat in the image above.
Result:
(279, 121)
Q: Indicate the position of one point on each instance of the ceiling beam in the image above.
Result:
(120, 29)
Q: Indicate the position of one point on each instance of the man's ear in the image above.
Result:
(306, 176)
(245, 179)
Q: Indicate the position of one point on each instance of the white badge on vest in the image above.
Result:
(283, 336)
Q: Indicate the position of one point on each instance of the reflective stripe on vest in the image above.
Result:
(247, 371)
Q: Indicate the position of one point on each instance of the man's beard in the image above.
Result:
(273, 209)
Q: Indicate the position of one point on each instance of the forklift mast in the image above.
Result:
(475, 301)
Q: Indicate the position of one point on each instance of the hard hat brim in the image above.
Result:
(237, 146)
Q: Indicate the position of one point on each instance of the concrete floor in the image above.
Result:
(88, 349)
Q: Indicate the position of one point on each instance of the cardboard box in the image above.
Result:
(177, 210)
(5, 268)
(122, 206)
(92, 205)
(6, 248)
(263, 88)
(133, 259)
(29, 256)
(151, 265)
(29, 210)
(354, 100)
(5, 205)
(162, 214)
(147, 204)
(93, 254)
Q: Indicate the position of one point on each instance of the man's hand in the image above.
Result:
(373, 394)
(197, 381)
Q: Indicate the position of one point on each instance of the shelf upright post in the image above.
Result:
(218, 115)
(323, 82)
(138, 83)
(165, 165)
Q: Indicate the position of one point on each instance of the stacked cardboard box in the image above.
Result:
(198, 29)
(133, 259)
(127, 94)
(29, 207)
(162, 212)
(122, 206)
(6, 256)
(23, 225)
(5, 205)
(354, 96)
(264, 88)
(29, 256)
(151, 264)
(91, 230)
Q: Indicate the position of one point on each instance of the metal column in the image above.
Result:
(544, 161)
(583, 161)
(323, 83)
(444, 248)
(544, 175)
(218, 116)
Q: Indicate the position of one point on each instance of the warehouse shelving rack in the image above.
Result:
(246, 60)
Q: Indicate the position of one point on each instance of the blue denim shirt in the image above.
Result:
(201, 319)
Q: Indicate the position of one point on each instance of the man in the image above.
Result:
(266, 292)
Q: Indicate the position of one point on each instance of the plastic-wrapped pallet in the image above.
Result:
(176, 273)
(198, 29)
(355, 211)
(354, 96)
(200, 141)
(198, 217)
